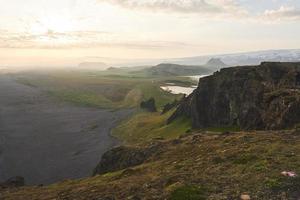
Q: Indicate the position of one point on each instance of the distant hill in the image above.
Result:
(168, 69)
(128, 69)
(93, 65)
(215, 63)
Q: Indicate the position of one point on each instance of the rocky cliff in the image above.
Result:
(123, 157)
(250, 97)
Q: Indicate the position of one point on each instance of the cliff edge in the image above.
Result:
(250, 97)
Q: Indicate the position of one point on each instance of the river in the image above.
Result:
(174, 89)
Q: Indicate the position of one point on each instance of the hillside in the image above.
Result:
(168, 69)
(205, 165)
(249, 97)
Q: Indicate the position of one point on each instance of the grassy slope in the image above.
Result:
(144, 126)
(202, 166)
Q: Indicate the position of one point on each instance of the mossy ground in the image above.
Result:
(145, 126)
(203, 166)
(188, 192)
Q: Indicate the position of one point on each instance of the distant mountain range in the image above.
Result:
(247, 58)
(169, 69)
(215, 63)
(234, 59)
(208, 61)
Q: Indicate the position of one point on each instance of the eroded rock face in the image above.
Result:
(169, 106)
(123, 157)
(149, 105)
(251, 97)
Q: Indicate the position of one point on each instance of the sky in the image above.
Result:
(65, 32)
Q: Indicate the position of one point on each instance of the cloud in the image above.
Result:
(51, 39)
(78, 39)
(202, 7)
(283, 13)
(211, 9)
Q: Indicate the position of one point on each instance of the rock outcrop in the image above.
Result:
(149, 105)
(251, 97)
(169, 106)
(123, 157)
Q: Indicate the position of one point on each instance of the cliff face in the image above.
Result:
(251, 97)
(123, 157)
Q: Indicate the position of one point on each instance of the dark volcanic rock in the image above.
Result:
(123, 157)
(149, 105)
(17, 181)
(169, 106)
(251, 97)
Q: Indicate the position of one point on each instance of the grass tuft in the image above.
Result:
(189, 192)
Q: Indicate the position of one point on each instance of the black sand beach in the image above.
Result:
(46, 141)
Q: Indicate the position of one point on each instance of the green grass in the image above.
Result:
(82, 99)
(100, 89)
(197, 166)
(145, 126)
(161, 97)
(188, 193)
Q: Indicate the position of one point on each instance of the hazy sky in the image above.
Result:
(66, 31)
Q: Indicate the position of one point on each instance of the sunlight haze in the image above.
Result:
(66, 32)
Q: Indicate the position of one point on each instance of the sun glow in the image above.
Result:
(60, 24)
(52, 31)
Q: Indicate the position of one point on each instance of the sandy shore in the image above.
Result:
(46, 141)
